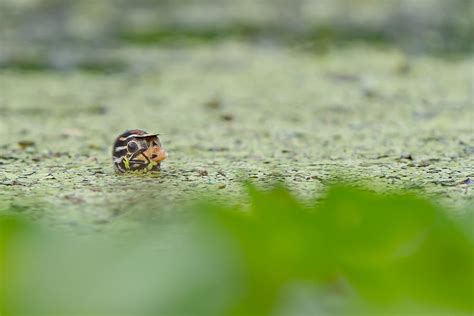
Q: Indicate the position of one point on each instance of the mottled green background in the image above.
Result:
(303, 92)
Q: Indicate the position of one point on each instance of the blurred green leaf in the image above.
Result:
(353, 252)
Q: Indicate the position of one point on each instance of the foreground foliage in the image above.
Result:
(354, 252)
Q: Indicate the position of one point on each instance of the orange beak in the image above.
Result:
(157, 154)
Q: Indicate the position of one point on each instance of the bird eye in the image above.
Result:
(132, 146)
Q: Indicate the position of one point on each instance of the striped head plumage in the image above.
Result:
(137, 150)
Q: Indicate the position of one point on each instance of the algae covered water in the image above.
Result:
(320, 157)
